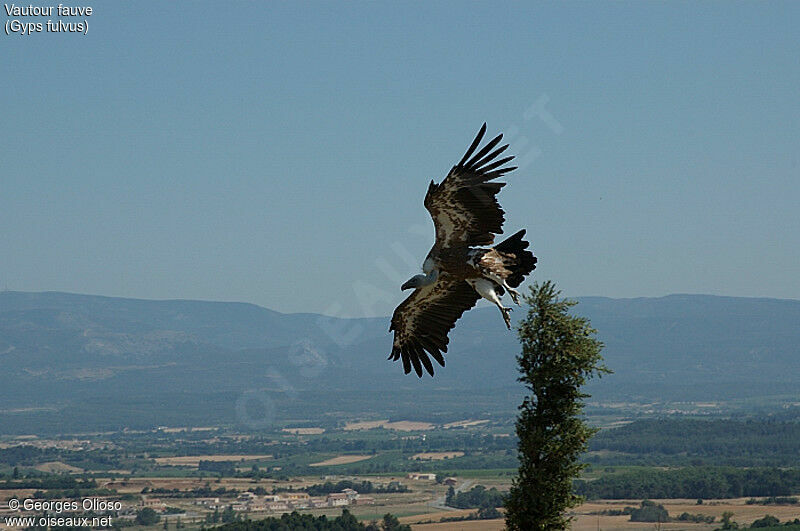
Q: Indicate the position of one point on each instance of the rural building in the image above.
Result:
(450, 481)
(257, 506)
(319, 502)
(337, 499)
(301, 504)
(153, 503)
(208, 502)
(278, 506)
(417, 475)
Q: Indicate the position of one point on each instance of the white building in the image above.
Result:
(418, 475)
(337, 499)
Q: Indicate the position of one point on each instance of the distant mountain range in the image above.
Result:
(81, 361)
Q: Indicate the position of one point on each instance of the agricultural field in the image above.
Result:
(402, 425)
(587, 516)
(342, 460)
(194, 460)
(738, 465)
(436, 456)
(304, 431)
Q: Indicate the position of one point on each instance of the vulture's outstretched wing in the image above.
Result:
(464, 208)
(422, 321)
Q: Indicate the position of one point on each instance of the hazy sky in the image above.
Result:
(278, 153)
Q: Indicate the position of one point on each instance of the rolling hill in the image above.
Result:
(75, 362)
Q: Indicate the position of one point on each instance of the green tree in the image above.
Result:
(559, 354)
(478, 496)
(391, 523)
(450, 496)
(146, 516)
(649, 512)
(228, 515)
(767, 521)
(347, 520)
(727, 522)
(489, 513)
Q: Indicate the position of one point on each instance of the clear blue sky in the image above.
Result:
(278, 153)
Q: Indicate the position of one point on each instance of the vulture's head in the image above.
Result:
(415, 282)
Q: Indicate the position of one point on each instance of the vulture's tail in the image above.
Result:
(516, 258)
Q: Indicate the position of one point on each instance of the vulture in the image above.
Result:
(463, 265)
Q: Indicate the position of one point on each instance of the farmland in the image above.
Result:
(194, 460)
(341, 460)
(437, 455)
(366, 466)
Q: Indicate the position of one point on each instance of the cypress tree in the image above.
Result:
(559, 354)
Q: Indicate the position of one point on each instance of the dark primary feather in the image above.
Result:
(476, 161)
(422, 321)
(522, 261)
(474, 144)
(464, 206)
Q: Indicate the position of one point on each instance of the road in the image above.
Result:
(438, 503)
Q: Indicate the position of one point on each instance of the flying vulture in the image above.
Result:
(462, 266)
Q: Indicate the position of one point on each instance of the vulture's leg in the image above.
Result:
(486, 289)
(514, 293)
(500, 280)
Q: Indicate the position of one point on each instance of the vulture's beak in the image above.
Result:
(407, 285)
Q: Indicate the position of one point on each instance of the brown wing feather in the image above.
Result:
(422, 321)
(464, 206)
